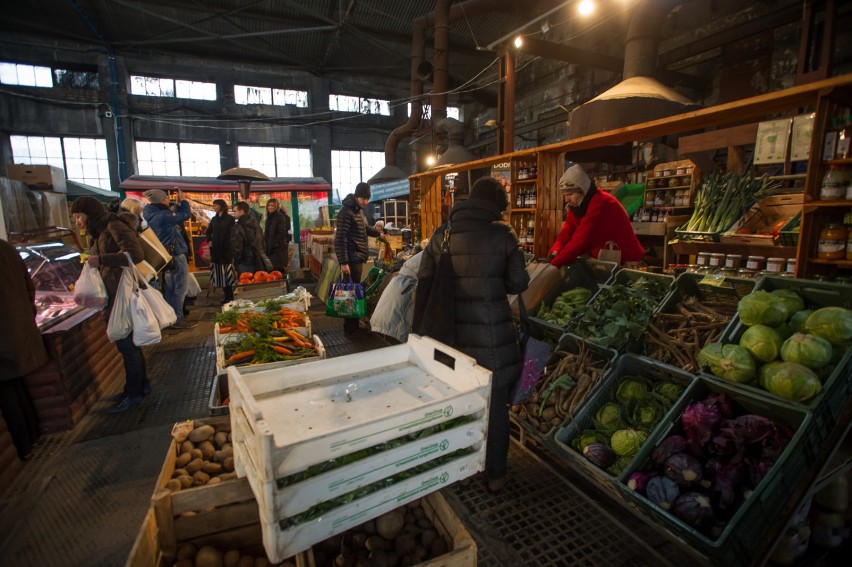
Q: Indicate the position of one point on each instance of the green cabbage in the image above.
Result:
(631, 388)
(729, 362)
(834, 324)
(761, 307)
(790, 380)
(668, 390)
(784, 331)
(791, 300)
(626, 442)
(764, 343)
(808, 350)
(797, 321)
(608, 417)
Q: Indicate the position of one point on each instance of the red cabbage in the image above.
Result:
(683, 469)
(662, 491)
(638, 480)
(758, 468)
(695, 509)
(600, 455)
(699, 421)
(722, 402)
(753, 428)
(726, 478)
(774, 445)
(670, 445)
(726, 445)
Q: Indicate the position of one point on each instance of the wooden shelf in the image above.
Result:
(667, 188)
(844, 161)
(691, 247)
(811, 206)
(526, 180)
(838, 263)
(522, 210)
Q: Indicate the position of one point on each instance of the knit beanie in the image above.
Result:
(155, 196)
(89, 206)
(575, 179)
(362, 190)
(490, 190)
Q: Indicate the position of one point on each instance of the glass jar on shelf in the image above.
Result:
(660, 198)
(790, 267)
(833, 239)
(717, 260)
(755, 263)
(703, 259)
(834, 182)
(649, 198)
(775, 265)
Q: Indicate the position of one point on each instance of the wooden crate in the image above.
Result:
(224, 515)
(462, 546)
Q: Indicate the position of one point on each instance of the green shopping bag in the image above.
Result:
(346, 299)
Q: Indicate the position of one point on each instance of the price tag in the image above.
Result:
(716, 280)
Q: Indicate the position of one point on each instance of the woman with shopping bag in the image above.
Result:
(113, 241)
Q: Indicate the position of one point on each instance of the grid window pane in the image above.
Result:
(200, 160)
(43, 77)
(195, 90)
(157, 158)
(371, 163)
(25, 75)
(282, 97)
(151, 86)
(293, 162)
(257, 157)
(82, 161)
(36, 150)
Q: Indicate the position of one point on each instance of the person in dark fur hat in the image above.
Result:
(487, 265)
(112, 241)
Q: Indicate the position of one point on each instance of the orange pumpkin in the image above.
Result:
(275, 275)
(260, 276)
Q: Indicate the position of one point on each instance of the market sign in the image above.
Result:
(388, 189)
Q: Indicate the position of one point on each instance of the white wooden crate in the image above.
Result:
(301, 305)
(278, 503)
(282, 543)
(301, 416)
(221, 338)
(252, 368)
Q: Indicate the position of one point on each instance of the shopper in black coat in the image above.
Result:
(247, 255)
(350, 240)
(276, 236)
(224, 239)
(487, 265)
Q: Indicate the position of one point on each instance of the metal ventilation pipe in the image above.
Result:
(643, 37)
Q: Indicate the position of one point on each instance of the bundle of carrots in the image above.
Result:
(262, 324)
(253, 350)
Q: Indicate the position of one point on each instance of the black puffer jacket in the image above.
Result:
(350, 234)
(276, 237)
(252, 240)
(488, 265)
(221, 233)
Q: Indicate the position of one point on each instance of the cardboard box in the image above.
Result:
(761, 218)
(41, 177)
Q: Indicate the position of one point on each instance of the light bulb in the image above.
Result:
(586, 7)
(519, 41)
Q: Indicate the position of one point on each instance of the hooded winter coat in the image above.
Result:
(350, 234)
(276, 237)
(112, 238)
(487, 265)
(251, 241)
(224, 239)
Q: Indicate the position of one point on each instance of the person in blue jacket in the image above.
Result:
(165, 222)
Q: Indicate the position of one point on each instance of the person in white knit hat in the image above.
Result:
(593, 219)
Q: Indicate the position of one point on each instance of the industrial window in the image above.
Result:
(172, 158)
(76, 79)
(344, 103)
(266, 95)
(452, 111)
(348, 168)
(83, 159)
(25, 75)
(157, 86)
(276, 162)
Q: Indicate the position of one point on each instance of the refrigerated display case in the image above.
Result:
(53, 268)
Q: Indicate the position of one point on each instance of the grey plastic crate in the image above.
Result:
(218, 394)
(626, 365)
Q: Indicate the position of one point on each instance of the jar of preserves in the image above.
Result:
(717, 260)
(831, 237)
(649, 198)
(790, 268)
(733, 261)
(834, 183)
(832, 242)
(660, 198)
(775, 265)
(755, 263)
(703, 259)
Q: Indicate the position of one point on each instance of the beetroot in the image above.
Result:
(662, 491)
(683, 469)
(638, 480)
(695, 509)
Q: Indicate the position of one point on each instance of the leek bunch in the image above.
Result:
(723, 198)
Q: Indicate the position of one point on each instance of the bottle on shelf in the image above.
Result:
(843, 147)
(518, 193)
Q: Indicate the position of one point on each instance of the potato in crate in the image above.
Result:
(333, 443)
(721, 469)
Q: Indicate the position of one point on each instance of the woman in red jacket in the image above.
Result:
(594, 218)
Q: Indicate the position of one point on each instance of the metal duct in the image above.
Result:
(456, 152)
(639, 97)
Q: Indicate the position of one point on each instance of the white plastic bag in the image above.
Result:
(192, 286)
(146, 328)
(164, 313)
(89, 290)
(120, 319)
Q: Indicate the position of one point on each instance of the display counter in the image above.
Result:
(83, 363)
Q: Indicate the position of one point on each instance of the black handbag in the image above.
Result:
(434, 302)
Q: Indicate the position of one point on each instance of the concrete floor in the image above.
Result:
(83, 493)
